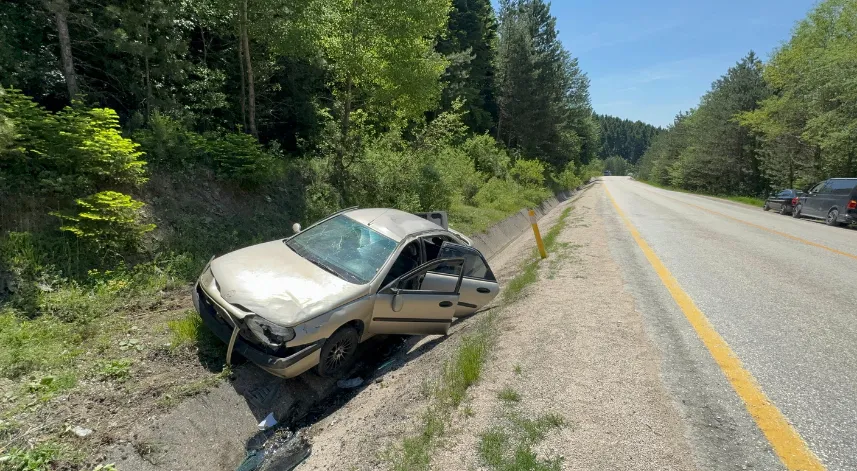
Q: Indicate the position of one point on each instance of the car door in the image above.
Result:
(478, 286)
(823, 199)
(408, 305)
(809, 206)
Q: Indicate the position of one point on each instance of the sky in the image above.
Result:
(649, 60)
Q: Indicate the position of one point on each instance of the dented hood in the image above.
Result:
(276, 283)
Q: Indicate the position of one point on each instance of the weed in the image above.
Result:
(468, 411)
(514, 288)
(117, 370)
(186, 330)
(510, 447)
(39, 458)
(49, 385)
(508, 394)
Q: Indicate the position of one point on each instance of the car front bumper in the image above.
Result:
(221, 324)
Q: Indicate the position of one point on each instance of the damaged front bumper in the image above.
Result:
(218, 320)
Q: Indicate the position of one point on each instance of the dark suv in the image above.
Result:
(834, 200)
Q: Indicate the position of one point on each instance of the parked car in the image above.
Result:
(308, 300)
(783, 201)
(834, 200)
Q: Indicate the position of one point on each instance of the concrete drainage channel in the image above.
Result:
(219, 430)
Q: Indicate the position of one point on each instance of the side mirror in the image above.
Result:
(398, 300)
(296, 227)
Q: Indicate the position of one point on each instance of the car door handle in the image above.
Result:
(445, 303)
(483, 290)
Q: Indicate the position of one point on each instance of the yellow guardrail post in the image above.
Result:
(538, 235)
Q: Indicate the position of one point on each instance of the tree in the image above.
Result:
(381, 63)
(59, 8)
(625, 138)
(469, 46)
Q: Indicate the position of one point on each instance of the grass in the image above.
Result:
(517, 369)
(509, 447)
(749, 200)
(187, 330)
(116, 370)
(508, 394)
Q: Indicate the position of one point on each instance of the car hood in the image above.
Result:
(273, 281)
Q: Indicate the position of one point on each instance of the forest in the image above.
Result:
(786, 123)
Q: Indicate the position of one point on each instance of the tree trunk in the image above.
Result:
(60, 10)
(148, 74)
(251, 90)
(243, 81)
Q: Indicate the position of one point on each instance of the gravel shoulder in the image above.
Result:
(575, 347)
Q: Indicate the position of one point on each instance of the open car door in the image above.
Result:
(407, 306)
(478, 286)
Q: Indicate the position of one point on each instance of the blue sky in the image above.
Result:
(648, 60)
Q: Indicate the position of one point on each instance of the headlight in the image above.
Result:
(270, 334)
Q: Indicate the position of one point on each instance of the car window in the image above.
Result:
(474, 265)
(843, 187)
(785, 194)
(408, 259)
(344, 247)
(826, 187)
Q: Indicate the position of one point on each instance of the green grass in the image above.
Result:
(116, 370)
(508, 394)
(749, 200)
(517, 369)
(528, 275)
(187, 330)
(509, 447)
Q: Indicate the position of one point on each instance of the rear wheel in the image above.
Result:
(796, 211)
(783, 210)
(337, 353)
(766, 207)
(832, 218)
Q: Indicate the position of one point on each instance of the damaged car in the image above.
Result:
(308, 300)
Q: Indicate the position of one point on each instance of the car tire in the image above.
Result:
(783, 210)
(832, 218)
(338, 353)
(766, 207)
(796, 211)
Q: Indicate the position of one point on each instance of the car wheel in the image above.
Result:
(783, 210)
(796, 212)
(337, 353)
(832, 218)
(766, 207)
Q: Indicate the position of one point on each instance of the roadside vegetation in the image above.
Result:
(139, 139)
(787, 123)
(749, 200)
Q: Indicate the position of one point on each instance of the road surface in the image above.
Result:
(779, 291)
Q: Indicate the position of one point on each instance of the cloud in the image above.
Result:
(613, 34)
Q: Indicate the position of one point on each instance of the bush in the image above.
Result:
(567, 179)
(167, 142)
(241, 156)
(528, 172)
(109, 220)
(488, 157)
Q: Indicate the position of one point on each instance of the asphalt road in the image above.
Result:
(781, 292)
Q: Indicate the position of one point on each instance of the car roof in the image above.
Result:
(393, 223)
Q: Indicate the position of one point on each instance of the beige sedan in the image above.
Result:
(291, 304)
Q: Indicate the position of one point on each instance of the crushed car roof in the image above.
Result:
(392, 223)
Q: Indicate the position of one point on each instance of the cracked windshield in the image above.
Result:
(651, 207)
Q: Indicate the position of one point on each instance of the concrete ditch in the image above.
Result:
(218, 430)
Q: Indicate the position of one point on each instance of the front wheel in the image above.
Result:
(337, 353)
(832, 218)
(783, 210)
(796, 211)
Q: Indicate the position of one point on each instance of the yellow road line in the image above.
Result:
(784, 439)
(757, 226)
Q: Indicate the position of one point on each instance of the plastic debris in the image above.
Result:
(268, 422)
(386, 364)
(349, 383)
(81, 431)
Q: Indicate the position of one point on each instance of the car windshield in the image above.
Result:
(344, 247)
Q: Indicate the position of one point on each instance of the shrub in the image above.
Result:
(241, 156)
(528, 172)
(567, 179)
(167, 142)
(487, 156)
(109, 219)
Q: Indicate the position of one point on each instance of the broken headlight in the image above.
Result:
(272, 335)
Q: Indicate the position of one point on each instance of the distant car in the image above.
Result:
(783, 201)
(834, 200)
(309, 299)
(607, 173)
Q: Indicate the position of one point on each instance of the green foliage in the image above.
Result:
(568, 178)
(508, 394)
(528, 172)
(242, 157)
(169, 143)
(489, 158)
(509, 447)
(593, 169)
(116, 370)
(109, 220)
(624, 138)
(617, 166)
(38, 458)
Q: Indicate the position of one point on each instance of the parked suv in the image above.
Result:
(834, 200)
(783, 201)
